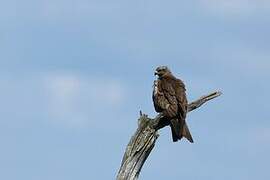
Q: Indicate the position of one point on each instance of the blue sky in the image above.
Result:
(74, 75)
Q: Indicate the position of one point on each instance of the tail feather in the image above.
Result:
(175, 128)
(186, 133)
(174, 135)
(179, 130)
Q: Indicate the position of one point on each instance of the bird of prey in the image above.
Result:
(169, 98)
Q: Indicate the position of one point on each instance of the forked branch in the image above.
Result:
(143, 141)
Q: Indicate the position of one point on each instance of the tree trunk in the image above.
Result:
(144, 139)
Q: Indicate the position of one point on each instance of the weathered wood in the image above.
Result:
(144, 139)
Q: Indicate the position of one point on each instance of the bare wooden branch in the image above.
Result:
(143, 141)
(196, 104)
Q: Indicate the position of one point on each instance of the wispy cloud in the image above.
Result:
(236, 7)
(243, 59)
(74, 99)
(60, 99)
(61, 9)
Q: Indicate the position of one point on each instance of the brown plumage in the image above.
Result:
(169, 98)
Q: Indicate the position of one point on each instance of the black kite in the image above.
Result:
(169, 98)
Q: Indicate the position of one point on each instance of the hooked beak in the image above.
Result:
(156, 73)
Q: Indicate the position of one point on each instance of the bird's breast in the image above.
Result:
(155, 90)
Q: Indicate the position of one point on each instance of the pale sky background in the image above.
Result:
(75, 73)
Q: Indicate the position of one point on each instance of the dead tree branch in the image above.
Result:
(144, 139)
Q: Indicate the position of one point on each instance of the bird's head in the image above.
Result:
(162, 71)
